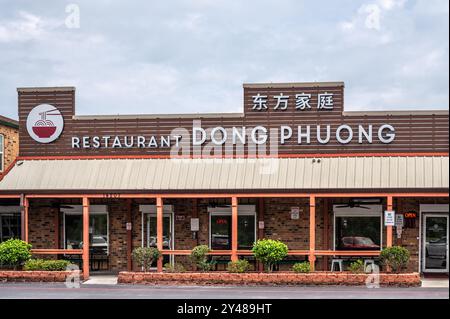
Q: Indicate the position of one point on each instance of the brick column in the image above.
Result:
(129, 235)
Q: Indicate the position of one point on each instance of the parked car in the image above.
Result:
(220, 242)
(358, 243)
(437, 248)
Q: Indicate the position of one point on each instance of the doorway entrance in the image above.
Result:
(149, 235)
(435, 243)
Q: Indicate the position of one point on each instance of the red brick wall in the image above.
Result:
(278, 225)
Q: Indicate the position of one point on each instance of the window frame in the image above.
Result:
(375, 211)
(77, 210)
(243, 210)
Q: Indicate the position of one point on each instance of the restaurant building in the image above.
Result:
(293, 166)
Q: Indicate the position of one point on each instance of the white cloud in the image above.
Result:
(193, 56)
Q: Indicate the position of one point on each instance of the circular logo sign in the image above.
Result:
(45, 123)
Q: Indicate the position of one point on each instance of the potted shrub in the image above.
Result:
(239, 266)
(395, 258)
(174, 268)
(14, 252)
(46, 265)
(145, 256)
(269, 252)
(303, 267)
(357, 267)
(199, 257)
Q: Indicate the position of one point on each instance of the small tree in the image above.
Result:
(395, 258)
(145, 256)
(269, 252)
(199, 256)
(14, 253)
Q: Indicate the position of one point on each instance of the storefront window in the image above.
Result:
(9, 227)
(221, 232)
(357, 233)
(98, 236)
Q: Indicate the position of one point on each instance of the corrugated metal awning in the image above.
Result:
(340, 173)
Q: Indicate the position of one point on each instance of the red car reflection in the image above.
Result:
(358, 243)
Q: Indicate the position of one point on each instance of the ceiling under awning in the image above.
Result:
(280, 174)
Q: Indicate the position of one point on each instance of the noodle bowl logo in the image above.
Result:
(45, 123)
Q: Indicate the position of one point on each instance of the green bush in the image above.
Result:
(357, 266)
(14, 252)
(303, 267)
(199, 257)
(145, 256)
(176, 267)
(269, 252)
(46, 265)
(395, 258)
(239, 266)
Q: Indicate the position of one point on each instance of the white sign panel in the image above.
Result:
(389, 218)
(295, 212)
(399, 220)
(195, 224)
(260, 225)
(45, 123)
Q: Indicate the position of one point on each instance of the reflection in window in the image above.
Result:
(98, 237)
(9, 227)
(358, 233)
(221, 232)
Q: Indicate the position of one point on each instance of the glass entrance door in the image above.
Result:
(167, 234)
(435, 243)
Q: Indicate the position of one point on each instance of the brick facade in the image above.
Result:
(9, 129)
(277, 218)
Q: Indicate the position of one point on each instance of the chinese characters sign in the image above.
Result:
(301, 102)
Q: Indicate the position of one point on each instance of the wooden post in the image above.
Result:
(22, 217)
(234, 229)
(389, 234)
(260, 231)
(159, 230)
(25, 219)
(85, 238)
(312, 231)
(129, 235)
(326, 238)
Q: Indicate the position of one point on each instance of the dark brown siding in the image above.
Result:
(414, 133)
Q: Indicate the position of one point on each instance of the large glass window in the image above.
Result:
(357, 233)
(221, 232)
(10, 227)
(98, 232)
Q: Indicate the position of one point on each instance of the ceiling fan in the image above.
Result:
(55, 205)
(359, 203)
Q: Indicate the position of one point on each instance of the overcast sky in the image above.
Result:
(132, 57)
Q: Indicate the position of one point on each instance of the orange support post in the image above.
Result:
(85, 238)
(234, 229)
(26, 209)
(389, 235)
(312, 231)
(159, 231)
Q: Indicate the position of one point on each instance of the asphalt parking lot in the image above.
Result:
(59, 291)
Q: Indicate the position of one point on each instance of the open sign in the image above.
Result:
(410, 215)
